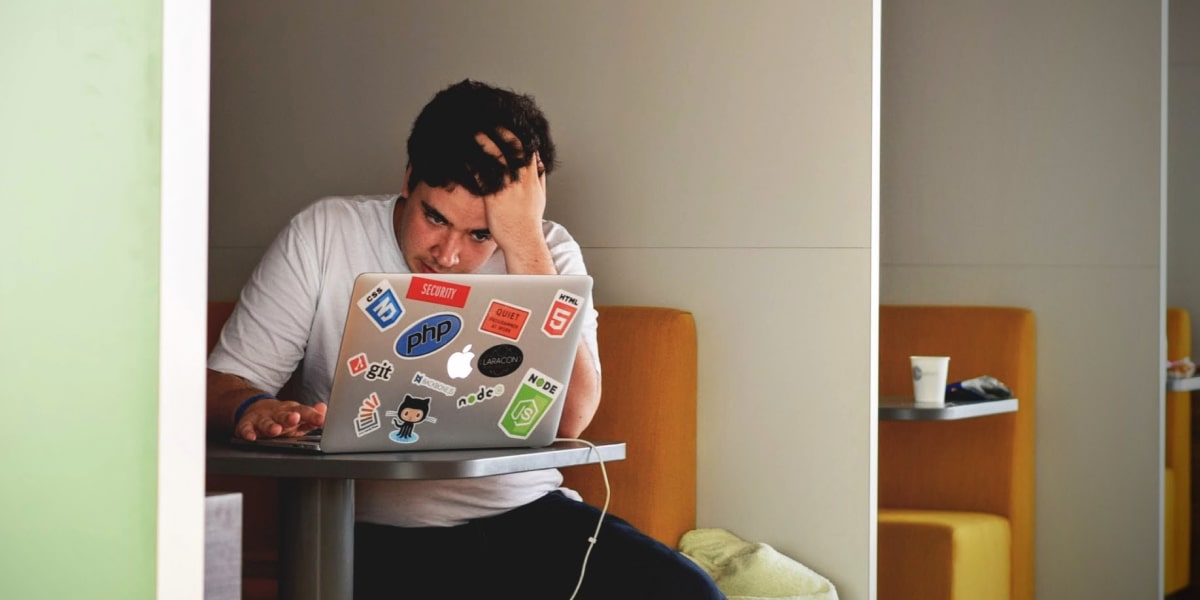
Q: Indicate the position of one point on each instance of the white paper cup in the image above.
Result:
(929, 379)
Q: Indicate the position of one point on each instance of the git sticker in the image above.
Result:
(529, 404)
(381, 306)
(562, 312)
(368, 416)
(504, 320)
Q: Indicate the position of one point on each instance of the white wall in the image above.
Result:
(1183, 155)
(1020, 166)
(716, 156)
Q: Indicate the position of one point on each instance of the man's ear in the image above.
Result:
(407, 174)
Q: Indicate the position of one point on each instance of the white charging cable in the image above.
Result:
(603, 510)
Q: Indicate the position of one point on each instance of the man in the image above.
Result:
(474, 197)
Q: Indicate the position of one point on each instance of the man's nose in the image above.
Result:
(447, 251)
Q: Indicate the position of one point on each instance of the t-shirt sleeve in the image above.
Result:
(264, 339)
(568, 260)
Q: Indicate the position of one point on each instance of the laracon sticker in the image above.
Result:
(500, 360)
(359, 363)
(367, 420)
(562, 312)
(428, 335)
(529, 404)
(438, 292)
(381, 306)
(504, 320)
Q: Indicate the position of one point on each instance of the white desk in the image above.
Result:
(895, 408)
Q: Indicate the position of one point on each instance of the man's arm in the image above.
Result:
(583, 395)
(268, 417)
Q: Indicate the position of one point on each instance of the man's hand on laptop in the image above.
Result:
(270, 418)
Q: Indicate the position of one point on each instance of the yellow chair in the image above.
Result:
(1177, 479)
(956, 498)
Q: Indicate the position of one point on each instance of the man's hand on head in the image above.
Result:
(270, 418)
(514, 217)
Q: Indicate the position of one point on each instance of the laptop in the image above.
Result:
(436, 362)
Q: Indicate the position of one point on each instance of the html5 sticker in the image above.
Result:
(381, 306)
(562, 313)
(504, 320)
(438, 292)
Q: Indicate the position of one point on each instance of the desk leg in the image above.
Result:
(316, 554)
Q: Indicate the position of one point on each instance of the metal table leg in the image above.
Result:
(316, 553)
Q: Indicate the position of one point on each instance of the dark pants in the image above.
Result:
(533, 552)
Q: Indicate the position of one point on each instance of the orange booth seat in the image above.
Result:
(956, 498)
(648, 365)
(1177, 478)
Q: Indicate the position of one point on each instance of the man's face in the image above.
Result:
(444, 230)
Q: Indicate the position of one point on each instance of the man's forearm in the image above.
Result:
(225, 393)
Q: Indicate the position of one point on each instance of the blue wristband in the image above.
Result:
(241, 409)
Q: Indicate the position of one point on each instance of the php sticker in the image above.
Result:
(438, 292)
(529, 404)
(562, 312)
(367, 420)
(381, 306)
(504, 320)
(428, 335)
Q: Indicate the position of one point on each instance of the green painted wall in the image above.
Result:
(80, 85)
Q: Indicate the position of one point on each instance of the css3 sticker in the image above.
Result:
(381, 306)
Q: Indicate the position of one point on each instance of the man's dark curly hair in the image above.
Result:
(442, 149)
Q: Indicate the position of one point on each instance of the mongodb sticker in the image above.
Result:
(529, 404)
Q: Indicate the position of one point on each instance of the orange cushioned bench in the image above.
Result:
(956, 498)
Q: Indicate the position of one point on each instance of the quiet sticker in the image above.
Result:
(504, 320)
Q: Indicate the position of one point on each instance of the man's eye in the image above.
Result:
(481, 236)
(436, 219)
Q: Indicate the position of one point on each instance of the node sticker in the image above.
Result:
(381, 306)
(438, 292)
(529, 404)
(504, 320)
(562, 312)
(480, 395)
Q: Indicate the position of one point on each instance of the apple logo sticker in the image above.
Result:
(459, 364)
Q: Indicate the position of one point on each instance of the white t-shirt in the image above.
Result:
(289, 319)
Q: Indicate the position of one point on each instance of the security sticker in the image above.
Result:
(367, 420)
(438, 292)
(529, 404)
(381, 306)
(504, 320)
(562, 312)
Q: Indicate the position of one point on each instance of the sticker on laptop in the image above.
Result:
(367, 420)
(483, 394)
(424, 380)
(562, 312)
(359, 364)
(405, 418)
(529, 404)
(458, 366)
(381, 306)
(500, 360)
(438, 292)
(504, 320)
(428, 335)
